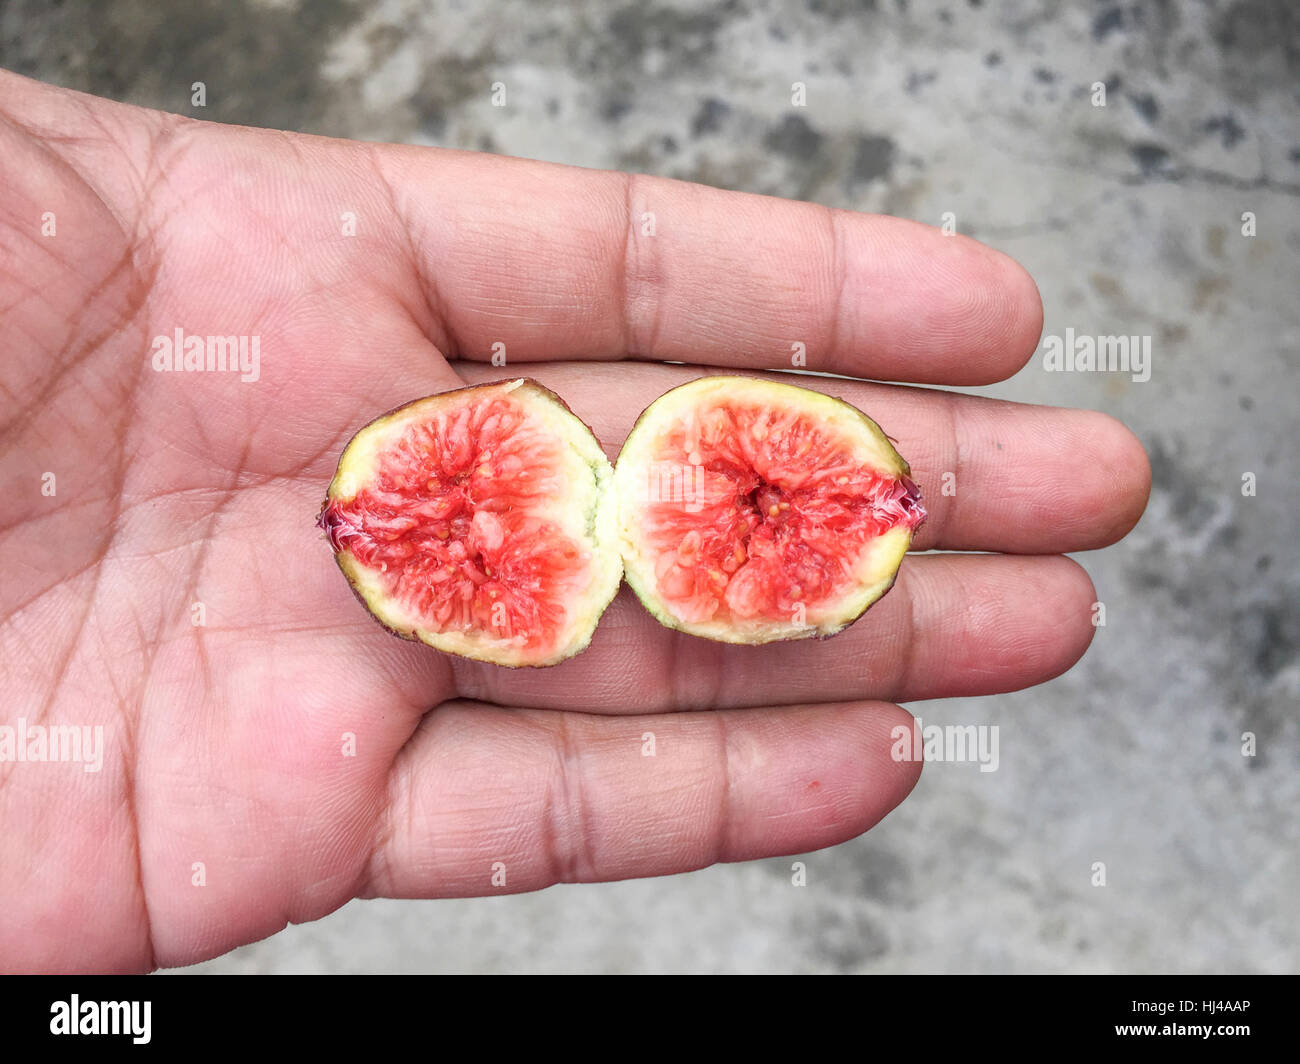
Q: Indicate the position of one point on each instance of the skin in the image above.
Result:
(224, 741)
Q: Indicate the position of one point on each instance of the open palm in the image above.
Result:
(268, 751)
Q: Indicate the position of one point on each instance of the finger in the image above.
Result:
(953, 625)
(994, 475)
(484, 800)
(559, 262)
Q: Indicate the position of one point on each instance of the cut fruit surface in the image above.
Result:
(481, 522)
(752, 511)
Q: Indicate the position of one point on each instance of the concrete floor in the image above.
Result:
(1130, 218)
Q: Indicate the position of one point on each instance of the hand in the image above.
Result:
(169, 585)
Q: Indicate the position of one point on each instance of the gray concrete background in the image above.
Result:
(1129, 217)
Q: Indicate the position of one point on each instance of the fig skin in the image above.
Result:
(605, 583)
(640, 576)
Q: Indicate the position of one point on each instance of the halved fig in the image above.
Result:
(751, 511)
(481, 522)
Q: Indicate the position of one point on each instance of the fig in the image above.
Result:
(481, 522)
(751, 511)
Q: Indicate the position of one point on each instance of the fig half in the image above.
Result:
(480, 521)
(752, 511)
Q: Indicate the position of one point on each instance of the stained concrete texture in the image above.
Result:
(1168, 212)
